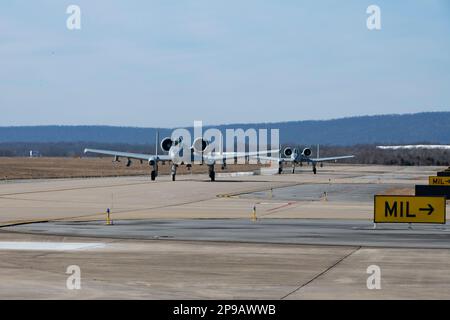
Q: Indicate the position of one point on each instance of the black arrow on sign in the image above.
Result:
(430, 209)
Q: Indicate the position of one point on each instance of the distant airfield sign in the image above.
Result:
(409, 209)
(439, 181)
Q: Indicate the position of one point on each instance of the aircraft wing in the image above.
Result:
(139, 156)
(305, 159)
(232, 155)
(329, 158)
(277, 159)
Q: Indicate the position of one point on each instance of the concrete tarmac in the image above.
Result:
(282, 231)
(193, 239)
(161, 269)
(350, 191)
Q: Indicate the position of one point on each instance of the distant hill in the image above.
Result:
(429, 127)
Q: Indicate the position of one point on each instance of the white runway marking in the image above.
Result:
(49, 246)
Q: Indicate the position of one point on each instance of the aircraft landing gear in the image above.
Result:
(293, 167)
(280, 167)
(154, 172)
(212, 173)
(173, 171)
(314, 169)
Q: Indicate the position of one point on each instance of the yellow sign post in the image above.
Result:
(254, 217)
(409, 209)
(439, 181)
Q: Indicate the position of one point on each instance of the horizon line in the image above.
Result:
(224, 124)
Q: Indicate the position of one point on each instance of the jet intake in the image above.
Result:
(166, 143)
(200, 145)
(287, 152)
(307, 152)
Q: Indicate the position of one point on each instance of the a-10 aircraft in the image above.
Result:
(198, 153)
(293, 156)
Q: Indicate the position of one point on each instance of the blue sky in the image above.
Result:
(168, 63)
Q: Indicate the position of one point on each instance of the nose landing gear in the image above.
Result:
(212, 173)
(173, 171)
(154, 172)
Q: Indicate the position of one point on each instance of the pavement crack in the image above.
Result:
(321, 273)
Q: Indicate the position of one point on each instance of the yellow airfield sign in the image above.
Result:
(439, 181)
(409, 209)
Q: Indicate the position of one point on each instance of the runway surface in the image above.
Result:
(195, 239)
(349, 190)
(355, 192)
(282, 231)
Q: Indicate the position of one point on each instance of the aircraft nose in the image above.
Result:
(174, 154)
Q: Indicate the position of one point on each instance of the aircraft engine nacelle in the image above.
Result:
(200, 145)
(287, 152)
(307, 152)
(166, 143)
(152, 162)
